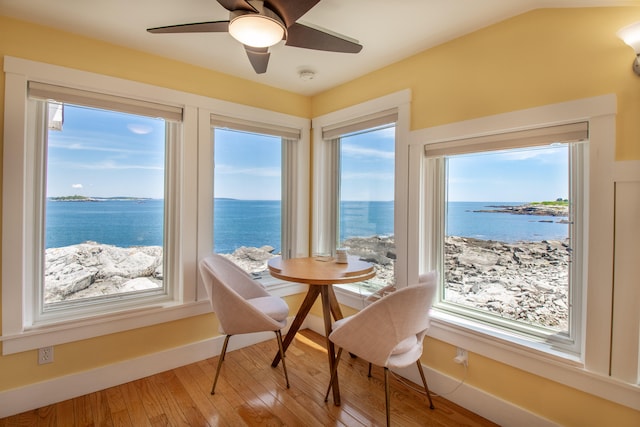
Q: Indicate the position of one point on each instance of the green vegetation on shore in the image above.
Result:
(557, 202)
(70, 198)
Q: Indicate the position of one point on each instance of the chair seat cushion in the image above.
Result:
(274, 307)
(405, 345)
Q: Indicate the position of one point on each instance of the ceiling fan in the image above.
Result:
(259, 24)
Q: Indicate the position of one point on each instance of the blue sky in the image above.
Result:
(247, 166)
(531, 175)
(368, 165)
(114, 154)
(106, 155)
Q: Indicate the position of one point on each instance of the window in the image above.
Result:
(102, 198)
(506, 221)
(257, 185)
(99, 132)
(169, 188)
(359, 190)
(247, 197)
(365, 200)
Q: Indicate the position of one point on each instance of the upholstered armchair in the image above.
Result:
(241, 304)
(390, 332)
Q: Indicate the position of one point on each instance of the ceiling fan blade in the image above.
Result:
(290, 11)
(307, 37)
(233, 5)
(259, 58)
(196, 27)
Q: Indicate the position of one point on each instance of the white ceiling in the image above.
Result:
(388, 30)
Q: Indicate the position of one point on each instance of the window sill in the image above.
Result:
(535, 358)
(79, 329)
(75, 330)
(281, 288)
(495, 343)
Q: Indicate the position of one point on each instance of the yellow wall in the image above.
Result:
(538, 58)
(43, 44)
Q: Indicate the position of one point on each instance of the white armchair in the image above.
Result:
(389, 332)
(241, 304)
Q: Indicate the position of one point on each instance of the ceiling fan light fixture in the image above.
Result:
(256, 30)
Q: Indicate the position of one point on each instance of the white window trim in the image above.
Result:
(433, 257)
(294, 179)
(190, 298)
(589, 373)
(298, 162)
(323, 197)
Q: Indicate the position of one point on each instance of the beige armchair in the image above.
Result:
(389, 332)
(241, 304)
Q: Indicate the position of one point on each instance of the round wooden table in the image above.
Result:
(320, 273)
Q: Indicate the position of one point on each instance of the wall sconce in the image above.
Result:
(631, 36)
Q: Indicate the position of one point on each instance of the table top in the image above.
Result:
(321, 270)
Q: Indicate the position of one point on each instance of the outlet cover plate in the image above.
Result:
(45, 355)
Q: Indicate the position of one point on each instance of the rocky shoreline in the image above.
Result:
(91, 269)
(537, 209)
(524, 281)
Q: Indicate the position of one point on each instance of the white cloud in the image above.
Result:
(139, 129)
(256, 171)
(353, 150)
(76, 186)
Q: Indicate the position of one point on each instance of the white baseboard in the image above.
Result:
(59, 389)
(484, 404)
(45, 393)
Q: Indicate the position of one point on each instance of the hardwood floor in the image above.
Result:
(251, 393)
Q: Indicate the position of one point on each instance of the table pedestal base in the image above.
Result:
(330, 307)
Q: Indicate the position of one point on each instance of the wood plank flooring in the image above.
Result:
(251, 393)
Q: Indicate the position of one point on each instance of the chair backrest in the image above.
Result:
(229, 287)
(376, 330)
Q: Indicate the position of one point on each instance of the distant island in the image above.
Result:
(558, 207)
(78, 198)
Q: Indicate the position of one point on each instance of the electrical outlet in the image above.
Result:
(45, 355)
(462, 358)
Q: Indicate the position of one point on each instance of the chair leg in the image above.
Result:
(220, 360)
(334, 372)
(424, 382)
(387, 395)
(281, 348)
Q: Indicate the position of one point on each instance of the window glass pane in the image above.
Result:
(367, 165)
(104, 213)
(247, 197)
(507, 235)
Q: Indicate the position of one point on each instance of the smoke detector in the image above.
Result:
(307, 75)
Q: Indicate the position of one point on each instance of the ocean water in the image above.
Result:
(464, 220)
(256, 223)
(121, 223)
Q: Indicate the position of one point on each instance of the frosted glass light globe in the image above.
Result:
(256, 30)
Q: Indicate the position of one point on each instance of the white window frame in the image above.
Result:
(590, 371)
(37, 314)
(434, 222)
(324, 222)
(190, 203)
(293, 153)
(295, 176)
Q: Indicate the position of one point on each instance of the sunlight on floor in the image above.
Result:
(306, 341)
